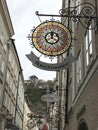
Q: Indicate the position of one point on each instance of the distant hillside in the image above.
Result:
(34, 101)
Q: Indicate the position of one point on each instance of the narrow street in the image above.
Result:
(49, 65)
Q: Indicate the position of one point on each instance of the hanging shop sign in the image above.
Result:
(50, 98)
(50, 67)
(45, 127)
(51, 38)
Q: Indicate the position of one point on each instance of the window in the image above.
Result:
(82, 125)
(8, 75)
(1, 37)
(0, 88)
(0, 57)
(78, 66)
(88, 46)
(2, 66)
(5, 99)
(10, 56)
(66, 4)
(5, 47)
(13, 86)
(9, 103)
(79, 8)
(0, 61)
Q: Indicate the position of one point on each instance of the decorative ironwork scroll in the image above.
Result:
(85, 13)
(51, 38)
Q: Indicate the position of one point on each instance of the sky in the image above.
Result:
(22, 13)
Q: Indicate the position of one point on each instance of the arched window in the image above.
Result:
(82, 125)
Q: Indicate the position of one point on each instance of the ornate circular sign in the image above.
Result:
(51, 38)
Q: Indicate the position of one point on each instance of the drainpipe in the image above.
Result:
(67, 80)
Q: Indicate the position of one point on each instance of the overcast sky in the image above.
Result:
(23, 18)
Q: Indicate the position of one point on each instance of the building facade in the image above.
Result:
(11, 76)
(81, 79)
(26, 118)
(32, 81)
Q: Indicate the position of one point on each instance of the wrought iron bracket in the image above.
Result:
(84, 13)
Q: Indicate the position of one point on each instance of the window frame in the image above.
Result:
(78, 68)
(77, 3)
(1, 37)
(88, 46)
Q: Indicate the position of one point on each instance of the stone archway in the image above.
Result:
(82, 125)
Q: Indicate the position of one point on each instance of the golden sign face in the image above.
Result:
(51, 38)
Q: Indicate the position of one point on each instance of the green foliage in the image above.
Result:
(51, 85)
(34, 94)
(34, 100)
